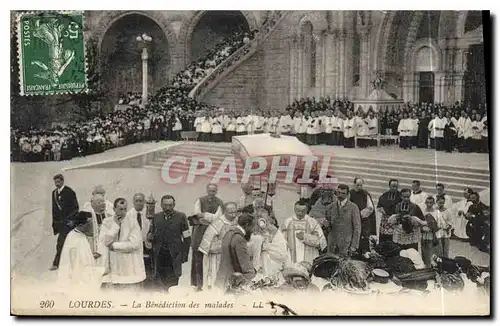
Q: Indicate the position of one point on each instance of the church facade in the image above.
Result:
(422, 56)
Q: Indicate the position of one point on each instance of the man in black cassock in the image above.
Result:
(364, 201)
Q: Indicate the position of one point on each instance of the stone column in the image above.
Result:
(144, 57)
(458, 86)
(330, 63)
(300, 67)
(319, 85)
(364, 66)
(410, 87)
(439, 86)
(459, 73)
(292, 41)
(345, 58)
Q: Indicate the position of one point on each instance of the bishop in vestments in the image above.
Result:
(78, 268)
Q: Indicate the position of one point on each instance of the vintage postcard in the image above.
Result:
(250, 163)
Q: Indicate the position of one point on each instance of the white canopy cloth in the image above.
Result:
(264, 145)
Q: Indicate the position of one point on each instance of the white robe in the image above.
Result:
(463, 124)
(404, 128)
(240, 124)
(458, 220)
(206, 125)
(372, 126)
(349, 128)
(361, 126)
(418, 199)
(484, 133)
(476, 128)
(78, 269)
(328, 124)
(313, 126)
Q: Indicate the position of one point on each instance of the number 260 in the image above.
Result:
(47, 304)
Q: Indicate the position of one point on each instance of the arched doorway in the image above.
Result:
(213, 27)
(121, 57)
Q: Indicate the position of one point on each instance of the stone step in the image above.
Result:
(427, 181)
(425, 176)
(346, 177)
(219, 150)
(375, 188)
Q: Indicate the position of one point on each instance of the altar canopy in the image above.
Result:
(265, 145)
(269, 146)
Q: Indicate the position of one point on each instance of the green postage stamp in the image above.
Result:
(51, 53)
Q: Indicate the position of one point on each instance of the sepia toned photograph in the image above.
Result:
(250, 163)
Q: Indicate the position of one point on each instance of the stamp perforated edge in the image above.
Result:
(19, 52)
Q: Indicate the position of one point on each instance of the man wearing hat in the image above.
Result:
(78, 265)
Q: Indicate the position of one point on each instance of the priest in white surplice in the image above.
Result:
(211, 243)
(304, 235)
(78, 269)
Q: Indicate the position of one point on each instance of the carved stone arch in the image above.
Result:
(384, 39)
(412, 33)
(424, 42)
(190, 23)
(108, 19)
(447, 24)
(462, 17)
(317, 19)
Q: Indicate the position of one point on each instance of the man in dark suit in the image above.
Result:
(170, 236)
(345, 224)
(64, 206)
(235, 256)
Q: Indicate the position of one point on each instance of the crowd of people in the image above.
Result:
(314, 121)
(134, 247)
